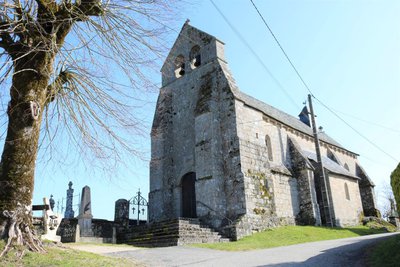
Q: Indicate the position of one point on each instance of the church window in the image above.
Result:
(179, 66)
(195, 58)
(269, 147)
(346, 191)
(346, 167)
(332, 156)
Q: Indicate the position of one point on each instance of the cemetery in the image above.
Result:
(85, 228)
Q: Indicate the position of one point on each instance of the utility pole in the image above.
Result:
(320, 177)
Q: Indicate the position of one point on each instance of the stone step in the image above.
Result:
(177, 236)
(170, 233)
(174, 229)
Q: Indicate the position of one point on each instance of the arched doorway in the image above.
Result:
(189, 195)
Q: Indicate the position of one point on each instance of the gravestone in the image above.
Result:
(69, 212)
(121, 215)
(85, 213)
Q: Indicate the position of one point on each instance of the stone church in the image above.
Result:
(237, 164)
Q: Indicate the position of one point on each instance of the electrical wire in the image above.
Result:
(243, 40)
(309, 90)
(368, 122)
(283, 50)
(355, 130)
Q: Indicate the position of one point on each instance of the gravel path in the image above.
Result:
(100, 249)
(340, 252)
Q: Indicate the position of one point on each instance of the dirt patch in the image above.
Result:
(100, 249)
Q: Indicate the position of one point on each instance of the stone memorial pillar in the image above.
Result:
(69, 212)
(85, 213)
(121, 215)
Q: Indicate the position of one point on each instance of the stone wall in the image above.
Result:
(286, 196)
(271, 190)
(347, 209)
(101, 229)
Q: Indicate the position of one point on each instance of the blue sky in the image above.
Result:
(346, 51)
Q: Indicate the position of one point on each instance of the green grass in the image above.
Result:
(65, 257)
(290, 235)
(386, 253)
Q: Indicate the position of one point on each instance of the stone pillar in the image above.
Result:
(114, 235)
(77, 236)
(69, 212)
(85, 213)
(121, 215)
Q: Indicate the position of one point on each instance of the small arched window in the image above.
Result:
(346, 167)
(195, 58)
(179, 66)
(346, 191)
(269, 147)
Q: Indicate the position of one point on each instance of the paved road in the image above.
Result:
(340, 252)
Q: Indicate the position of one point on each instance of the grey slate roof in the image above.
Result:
(329, 164)
(272, 112)
(283, 117)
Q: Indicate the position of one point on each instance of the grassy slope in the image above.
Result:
(386, 253)
(56, 256)
(289, 235)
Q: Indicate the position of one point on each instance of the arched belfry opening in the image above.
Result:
(195, 57)
(189, 195)
(179, 66)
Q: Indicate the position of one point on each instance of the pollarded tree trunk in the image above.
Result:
(31, 35)
(28, 97)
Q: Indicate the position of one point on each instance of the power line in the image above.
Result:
(243, 40)
(355, 130)
(309, 90)
(283, 50)
(369, 122)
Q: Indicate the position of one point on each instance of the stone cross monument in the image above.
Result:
(85, 213)
(69, 212)
(52, 202)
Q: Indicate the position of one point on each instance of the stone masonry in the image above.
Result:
(234, 162)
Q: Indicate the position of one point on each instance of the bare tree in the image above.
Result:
(386, 196)
(56, 56)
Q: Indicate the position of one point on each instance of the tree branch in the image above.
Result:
(6, 40)
(56, 86)
(18, 9)
(91, 7)
(47, 6)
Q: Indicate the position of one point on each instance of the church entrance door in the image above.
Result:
(189, 195)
